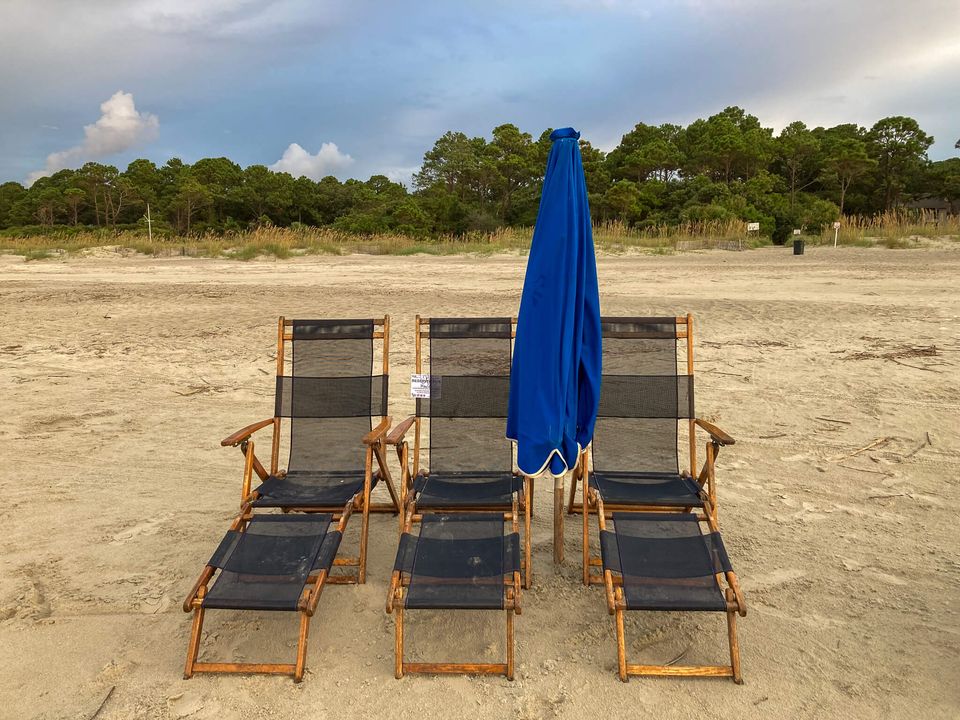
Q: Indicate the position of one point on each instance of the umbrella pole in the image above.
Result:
(558, 519)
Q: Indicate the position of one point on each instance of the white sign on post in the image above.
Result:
(796, 232)
(420, 385)
(836, 226)
(751, 227)
(836, 232)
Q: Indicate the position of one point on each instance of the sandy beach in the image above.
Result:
(120, 375)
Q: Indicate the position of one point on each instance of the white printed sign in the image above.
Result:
(753, 226)
(796, 232)
(836, 226)
(420, 385)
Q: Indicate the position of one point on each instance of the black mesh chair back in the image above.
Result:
(642, 396)
(469, 366)
(332, 393)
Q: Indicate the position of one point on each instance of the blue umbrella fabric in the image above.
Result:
(555, 376)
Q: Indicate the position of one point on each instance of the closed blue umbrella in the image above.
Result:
(555, 377)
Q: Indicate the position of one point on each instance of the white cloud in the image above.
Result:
(119, 128)
(328, 161)
(403, 175)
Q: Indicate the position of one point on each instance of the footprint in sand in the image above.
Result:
(147, 527)
(185, 704)
(776, 578)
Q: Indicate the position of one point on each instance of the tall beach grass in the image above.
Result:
(894, 229)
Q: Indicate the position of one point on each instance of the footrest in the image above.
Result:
(665, 561)
(458, 561)
(267, 565)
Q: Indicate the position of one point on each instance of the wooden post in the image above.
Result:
(586, 527)
(558, 519)
(527, 540)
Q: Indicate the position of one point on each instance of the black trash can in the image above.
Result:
(798, 247)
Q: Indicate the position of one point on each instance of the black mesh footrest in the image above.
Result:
(310, 489)
(666, 562)
(660, 489)
(447, 490)
(267, 566)
(458, 561)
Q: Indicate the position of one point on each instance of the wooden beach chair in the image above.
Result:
(266, 563)
(663, 562)
(468, 561)
(633, 461)
(471, 465)
(327, 397)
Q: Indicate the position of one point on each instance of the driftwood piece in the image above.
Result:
(833, 420)
(876, 443)
(103, 702)
(918, 448)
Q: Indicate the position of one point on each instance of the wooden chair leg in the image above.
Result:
(509, 643)
(734, 642)
(387, 477)
(364, 531)
(621, 647)
(302, 647)
(365, 525)
(398, 640)
(573, 493)
(193, 647)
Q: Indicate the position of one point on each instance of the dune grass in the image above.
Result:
(895, 230)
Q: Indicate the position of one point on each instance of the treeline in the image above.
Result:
(723, 168)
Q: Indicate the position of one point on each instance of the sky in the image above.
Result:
(354, 87)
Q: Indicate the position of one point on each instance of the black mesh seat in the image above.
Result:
(455, 489)
(267, 566)
(665, 561)
(655, 489)
(458, 561)
(657, 561)
(304, 489)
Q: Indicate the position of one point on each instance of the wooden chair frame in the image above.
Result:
(400, 580)
(306, 607)
(374, 444)
(705, 478)
(396, 439)
(616, 605)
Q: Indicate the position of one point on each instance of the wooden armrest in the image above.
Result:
(378, 432)
(240, 435)
(716, 433)
(396, 435)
